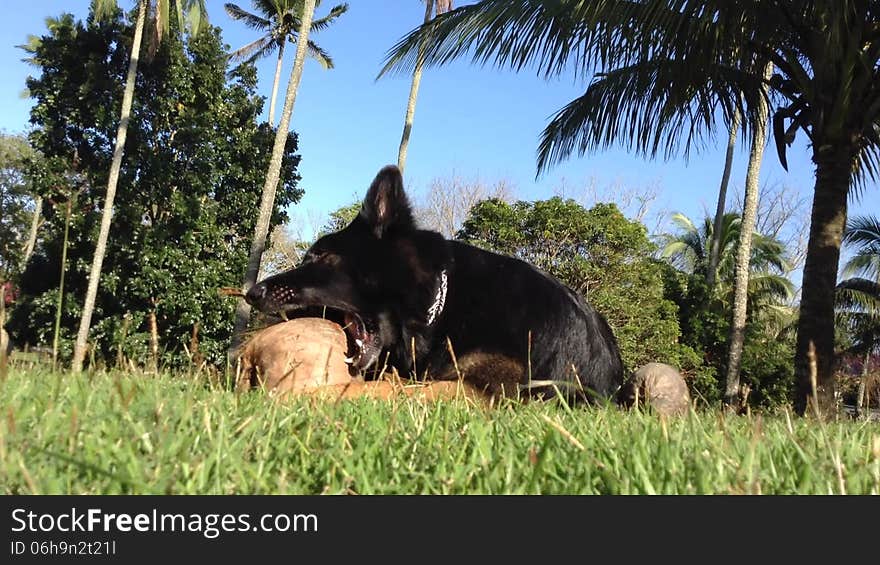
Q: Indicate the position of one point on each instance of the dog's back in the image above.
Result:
(501, 308)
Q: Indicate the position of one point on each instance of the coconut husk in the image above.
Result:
(659, 386)
(294, 357)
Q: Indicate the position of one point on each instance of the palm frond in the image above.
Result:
(274, 8)
(653, 107)
(862, 230)
(686, 249)
(867, 166)
(764, 286)
(668, 66)
(321, 24)
(271, 8)
(196, 17)
(679, 253)
(322, 57)
(549, 34)
(864, 233)
(769, 252)
(253, 21)
(254, 50)
(683, 223)
(103, 9)
(777, 320)
(730, 224)
(506, 33)
(860, 285)
(858, 295)
(864, 263)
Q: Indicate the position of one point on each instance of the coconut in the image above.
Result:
(659, 386)
(294, 357)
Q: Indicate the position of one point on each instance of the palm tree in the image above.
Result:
(858, 297)
(267, 201)
(442, 6)
(671, 69)
(743, 252)
(279, 20)
(864, 267)
(715, 248)
(103, 8)
(689, 249)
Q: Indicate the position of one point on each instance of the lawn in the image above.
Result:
(116, 432)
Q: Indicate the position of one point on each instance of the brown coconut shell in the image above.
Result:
(294, 357)
(659, 386)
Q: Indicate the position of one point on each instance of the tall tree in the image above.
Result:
(267, 201)
(715, 248)
(280, 21)
(162, 21)
(670, 69)
(706, 313)
(195, 158)
(744, 250)
(16, 204)
(689, 248)
(441, 7)
(858, 296)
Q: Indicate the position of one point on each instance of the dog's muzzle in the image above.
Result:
(257, 295)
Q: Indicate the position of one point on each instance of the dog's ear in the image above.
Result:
(386, 207)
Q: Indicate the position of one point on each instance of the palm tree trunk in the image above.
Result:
(4, 337)
(715, 245)
(101, 246)
(154, 339)
(834, 165)
(744, 250)
(277, 81)
(267, 203)
(863, 379)
(60, 305)
(413, 94)
(120, 346)
(32, 235)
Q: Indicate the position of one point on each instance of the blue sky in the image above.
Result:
(477, 123)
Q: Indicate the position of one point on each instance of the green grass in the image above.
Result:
(112, 433)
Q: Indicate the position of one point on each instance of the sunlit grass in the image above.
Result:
(116, 432)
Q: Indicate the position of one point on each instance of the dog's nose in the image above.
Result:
(256, 294)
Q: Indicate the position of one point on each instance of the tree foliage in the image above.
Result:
(689, 250)
(706, 313)
(16, 202)
(280, 21)
(858, 296)
(189, 184)
(340, 218)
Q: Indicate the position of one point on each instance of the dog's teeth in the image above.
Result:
(359, 342)
(349, 360)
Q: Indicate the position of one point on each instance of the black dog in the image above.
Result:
(413, 300)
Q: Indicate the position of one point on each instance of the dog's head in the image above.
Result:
(364, 276)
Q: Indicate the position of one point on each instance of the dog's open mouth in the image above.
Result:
(361, 332)
(363, 342)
